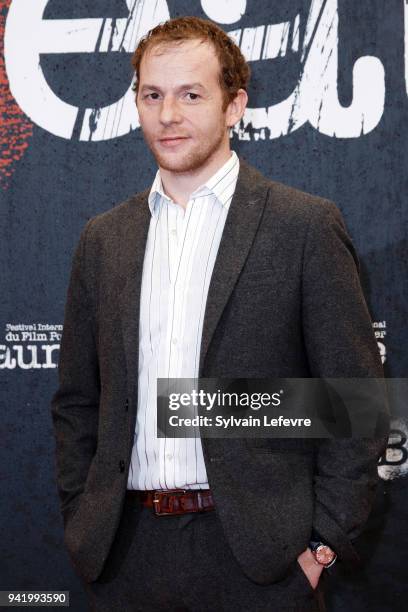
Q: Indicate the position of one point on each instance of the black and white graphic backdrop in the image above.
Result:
(327, 113)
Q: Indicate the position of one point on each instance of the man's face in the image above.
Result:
(180, 105)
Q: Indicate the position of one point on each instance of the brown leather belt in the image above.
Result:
(177, 501)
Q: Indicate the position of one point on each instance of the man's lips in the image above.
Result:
(172, 141)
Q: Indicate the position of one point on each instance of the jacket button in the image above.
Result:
(127, 404)
(121, 465)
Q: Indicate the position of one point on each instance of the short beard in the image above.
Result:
(191, 162)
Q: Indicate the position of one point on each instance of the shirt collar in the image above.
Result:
(221, 184)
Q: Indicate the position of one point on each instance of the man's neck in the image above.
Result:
(179, 186)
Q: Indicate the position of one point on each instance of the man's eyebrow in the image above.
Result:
(179, 88)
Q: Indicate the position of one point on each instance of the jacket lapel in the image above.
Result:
(131, 256)
(242, 221)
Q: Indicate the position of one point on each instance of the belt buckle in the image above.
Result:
(159, 494)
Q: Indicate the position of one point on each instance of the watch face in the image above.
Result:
(324, 554)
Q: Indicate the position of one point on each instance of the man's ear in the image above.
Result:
(236, 108)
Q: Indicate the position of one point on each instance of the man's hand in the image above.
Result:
(310, 567)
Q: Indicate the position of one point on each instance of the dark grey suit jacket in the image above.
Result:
(284, 301)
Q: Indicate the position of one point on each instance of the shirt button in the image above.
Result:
(174, 232)
(174, 340)
(122, 465)
(169, 456)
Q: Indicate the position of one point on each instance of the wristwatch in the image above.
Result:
(323, 554)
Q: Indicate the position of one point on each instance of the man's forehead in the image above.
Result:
(176, 48)
(175, 63)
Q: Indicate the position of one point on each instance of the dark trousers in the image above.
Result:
(184, 564)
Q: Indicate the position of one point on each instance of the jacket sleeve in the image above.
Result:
(74, 406)
(340, 343)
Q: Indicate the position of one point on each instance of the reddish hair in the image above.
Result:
(234, 70)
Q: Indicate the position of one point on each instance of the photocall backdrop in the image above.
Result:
(327, 113)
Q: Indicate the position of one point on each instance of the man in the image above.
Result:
(214, 271)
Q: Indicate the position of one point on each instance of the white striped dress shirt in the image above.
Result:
(180, 254)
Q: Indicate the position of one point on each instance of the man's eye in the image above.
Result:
(193, 96)
(153, 96)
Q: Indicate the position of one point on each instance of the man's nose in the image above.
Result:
(170, 112)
